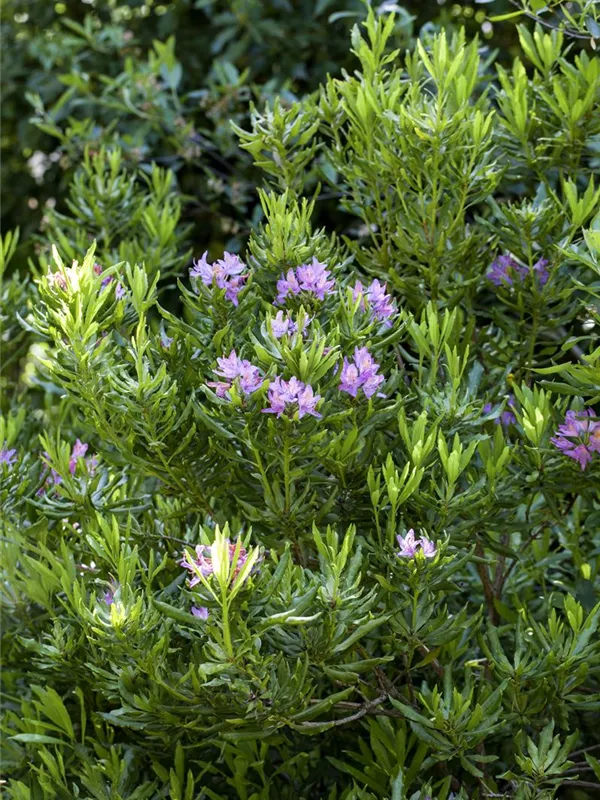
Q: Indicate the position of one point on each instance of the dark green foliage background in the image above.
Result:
(338, 670)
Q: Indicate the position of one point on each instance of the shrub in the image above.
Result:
(326, 526)
(160, 81)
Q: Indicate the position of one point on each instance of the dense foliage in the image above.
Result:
(321, 519)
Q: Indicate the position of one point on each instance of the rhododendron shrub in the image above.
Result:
(321, 519)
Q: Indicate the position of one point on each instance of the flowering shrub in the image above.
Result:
(321, 520)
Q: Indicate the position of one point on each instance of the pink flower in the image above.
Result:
(221, 388)
(282, 325)
(376, 299)
(350, 379)
(410, 546)
(233, 368)
(361, 373)
(290, 396)
(229, 367)
(202, 562)
(287, 285)
(579, 436)
(78, 451)
(313, 279)
(225, 273)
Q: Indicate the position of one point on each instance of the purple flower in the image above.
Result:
(78, 451)
(250, 377)
(57, 279)
(108, 598)
(221, 388)
(505, 270)
(282, 325)
(380, 303)
(579, 436)
(361, 373)
(165, 341)
(225, 273)
(540, 268)
(410, 546)
(313, 278)
(8, 457)
(119, 288)
(233, 368)
(287, 285)
(350, 379)
(219, 271)
(290, 396)
(200, 612)
(507, 417)
(52, 477)
(202, 562)
(228, 367)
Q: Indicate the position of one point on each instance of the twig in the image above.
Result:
(584, 750)
(363, 710)
(546, 24)
(348, 705)
(488, 591)
(584, 784)
(437, 667)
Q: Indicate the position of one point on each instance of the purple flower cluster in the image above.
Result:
(237, 369)
(200, 612)
(376, 299)
(202, 562)
(540, 268)
(410, 546)
(8, 457)
(361, 373)
(225, 273)
(109, 595)
(290, 396)
(507, 417)
(57, 279)
(165, 341)
(119, 288)
(313, 279)
(282, 325)
(505, 270)
(579, 436)
(78, 452)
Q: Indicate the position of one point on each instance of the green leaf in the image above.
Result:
(38, 738)
(503, 17)
(361, 631)
(594, 764)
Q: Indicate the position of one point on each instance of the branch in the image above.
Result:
(567, 31)
(584, 784)
(364, 709)
(488, 591)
